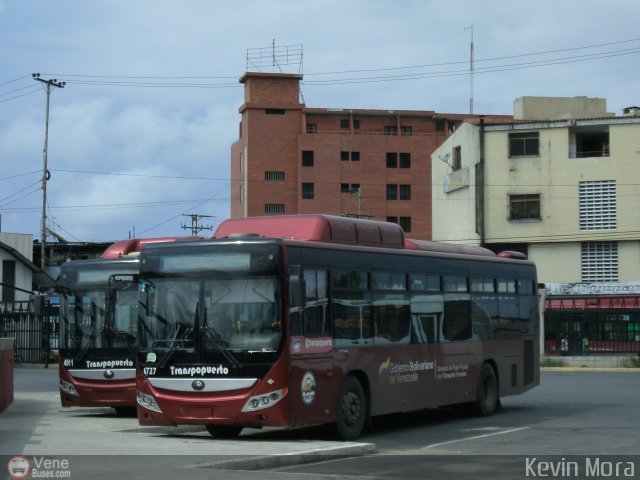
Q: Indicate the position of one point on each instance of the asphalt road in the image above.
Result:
(571, 417)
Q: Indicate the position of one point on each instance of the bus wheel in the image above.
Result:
(488, 398)
(352, 409)
(224, 431)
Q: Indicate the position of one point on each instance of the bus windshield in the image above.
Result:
(83, 320)
(98, 309)
(210, 320)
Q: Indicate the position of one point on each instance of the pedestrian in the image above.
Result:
(585, 345)
(564, 346)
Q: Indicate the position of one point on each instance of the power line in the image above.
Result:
(157, 81)
(172, 177)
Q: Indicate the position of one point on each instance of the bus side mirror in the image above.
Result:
(298, 292)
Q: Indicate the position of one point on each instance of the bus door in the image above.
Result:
(312, 386)
(459, 356)
(426, 324)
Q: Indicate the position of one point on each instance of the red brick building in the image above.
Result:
(371, 163)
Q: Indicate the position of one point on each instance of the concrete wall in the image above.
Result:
(558, 108)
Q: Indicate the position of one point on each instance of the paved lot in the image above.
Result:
(573, 412)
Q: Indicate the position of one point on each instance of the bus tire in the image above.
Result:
(223, 431)
(488, 394)
(351, 411)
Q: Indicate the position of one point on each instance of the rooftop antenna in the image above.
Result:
(278, 59)
(470, 70)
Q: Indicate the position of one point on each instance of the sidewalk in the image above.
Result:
(620, 363)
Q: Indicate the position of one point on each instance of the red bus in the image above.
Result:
(301, 320)
(98, 326)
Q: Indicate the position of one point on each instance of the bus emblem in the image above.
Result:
(308, 388)
(197, 385)
(108, 374)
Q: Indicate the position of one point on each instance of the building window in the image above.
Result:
(390, 130)
(588, 142)
(274, 111)
(439, 126)
(392, 160)
(456, 160)
(353, 156)
(406, 131)
(312, 128)
(274, 208)
(307, 191)
(405, 224)
(395, 192)
(598, 209)
(599, 262)
(405, 160)
(524, 207)
(356, 123)
(274, 176)
(8, 280)
(307, 158)
(344, 188)
(344, 123)
(524, 144)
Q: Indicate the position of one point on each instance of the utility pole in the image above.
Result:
(45, 173)
(195, 228)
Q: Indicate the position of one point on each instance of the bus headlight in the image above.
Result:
(66, 387)
(147, 401)
(266, 400)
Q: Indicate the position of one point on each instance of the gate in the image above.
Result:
(35, 334)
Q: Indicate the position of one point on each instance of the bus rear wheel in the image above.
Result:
(224, 431)
(488, 397)
(351, 412)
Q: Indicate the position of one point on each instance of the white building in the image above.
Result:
(564, 189)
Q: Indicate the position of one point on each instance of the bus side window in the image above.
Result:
(430, 325)
(457, 320)
(424, 329)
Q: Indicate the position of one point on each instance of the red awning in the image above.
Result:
(593, 303)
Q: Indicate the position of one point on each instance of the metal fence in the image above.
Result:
(35, 333)
(608, 333)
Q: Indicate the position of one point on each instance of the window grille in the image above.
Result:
(598, 205)
(599, 261)
(274, 176)
(274, 208)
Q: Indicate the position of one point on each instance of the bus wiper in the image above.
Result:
(174, 345)
(212, 334)
(90, 344)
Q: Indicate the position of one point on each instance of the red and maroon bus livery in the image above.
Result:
(301, 320)
(98, 326)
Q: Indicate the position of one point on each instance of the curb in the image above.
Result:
(590, 369)
(293, 458)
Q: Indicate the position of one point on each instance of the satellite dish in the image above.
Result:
(445, 157)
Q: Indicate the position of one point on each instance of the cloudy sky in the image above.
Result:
(140, 135)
